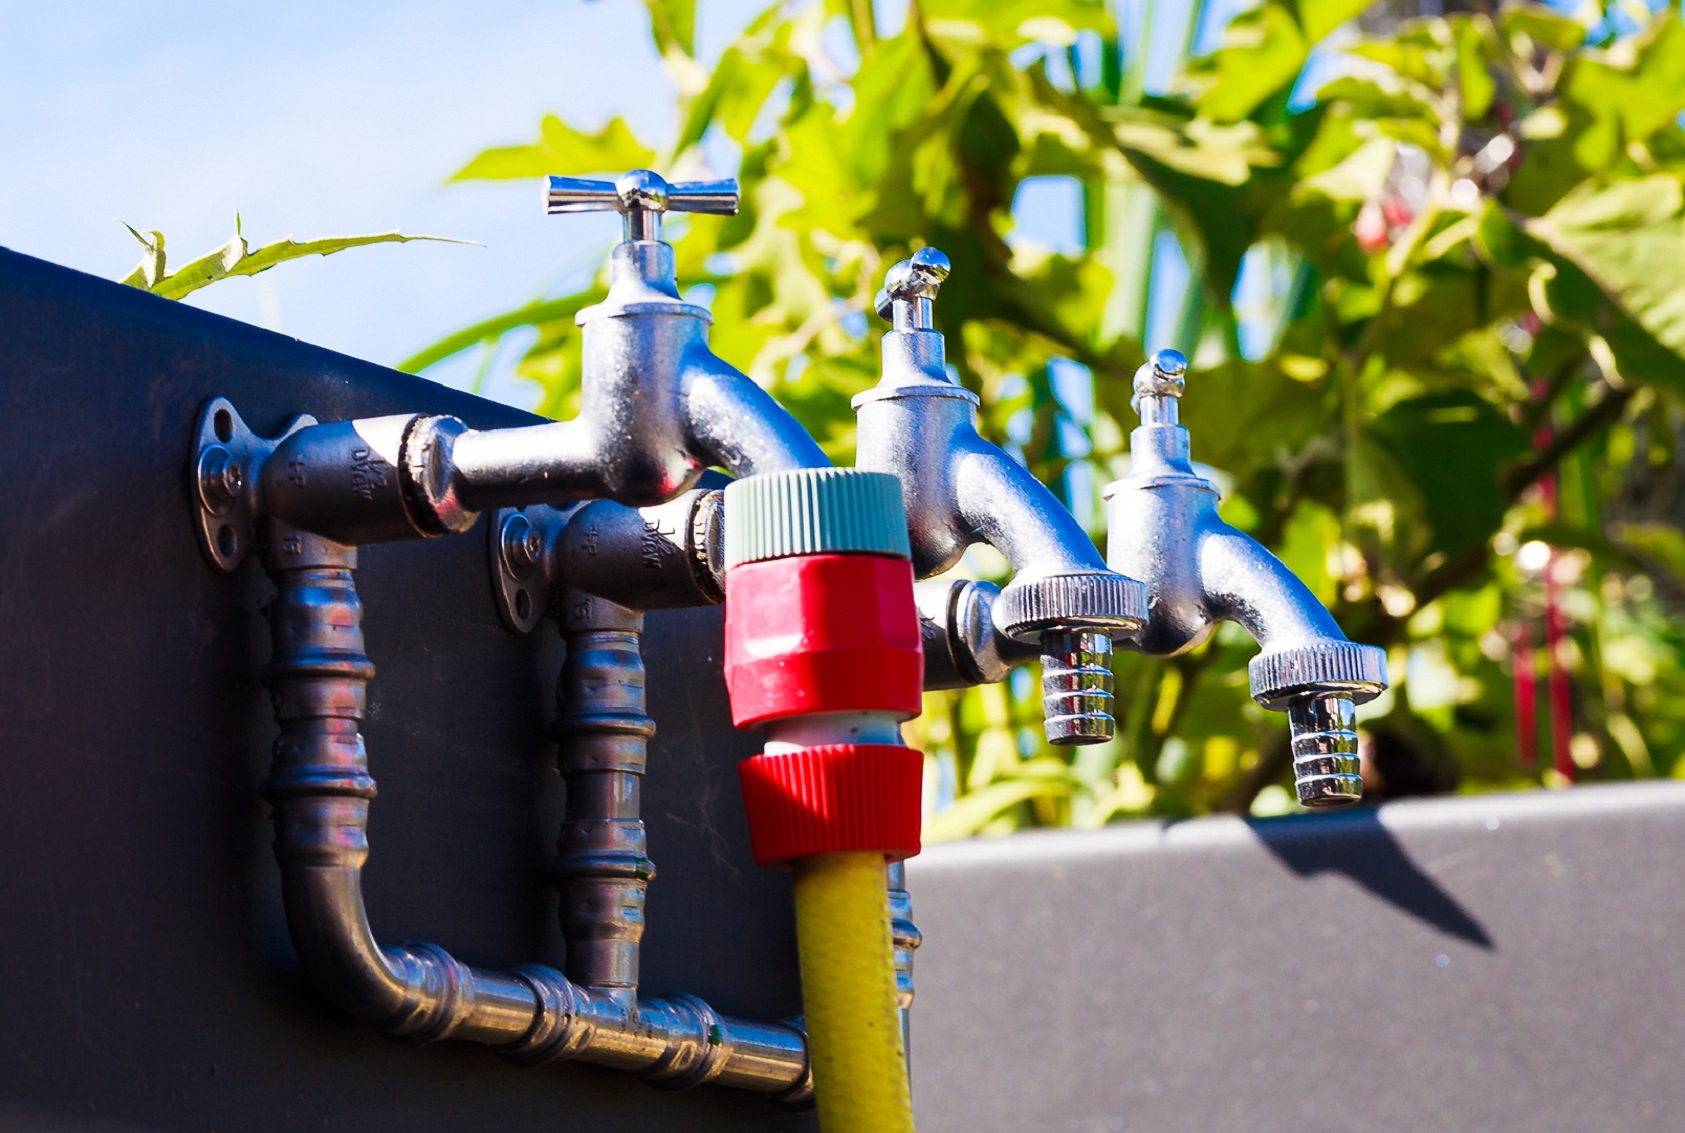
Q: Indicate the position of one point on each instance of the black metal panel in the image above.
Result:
(1512, 962)
(146, 981)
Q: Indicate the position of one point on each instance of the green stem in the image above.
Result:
(865, 24)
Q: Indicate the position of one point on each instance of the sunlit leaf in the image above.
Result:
(563, 151)
(236, 258)
(1262, 53)
(1628, 238)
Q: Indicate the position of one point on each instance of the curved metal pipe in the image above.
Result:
(1244, 582)
(1002, 504)
(320, 791)
(734, 423)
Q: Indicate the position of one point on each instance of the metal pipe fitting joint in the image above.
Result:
(822, 651)
(321, 789)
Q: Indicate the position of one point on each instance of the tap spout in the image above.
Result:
(731, 421)
(919, 425)
(997, 501)
(1244, 583)
(1164, 528)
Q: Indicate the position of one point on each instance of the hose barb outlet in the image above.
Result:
(1076, 686)
(1319, 685)
(1326, 769)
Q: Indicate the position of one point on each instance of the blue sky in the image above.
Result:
(313, 119)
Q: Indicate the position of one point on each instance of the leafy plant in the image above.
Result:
(237, 258)
(1435, 318)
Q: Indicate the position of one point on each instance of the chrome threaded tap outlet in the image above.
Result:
(1326, 768)
(1076, 686)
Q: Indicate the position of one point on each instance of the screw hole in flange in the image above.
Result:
(523, 605)
(227, 541)
(223, 422)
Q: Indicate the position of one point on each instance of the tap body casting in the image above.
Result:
(1165, 530)
(657, 407)
(920, 425)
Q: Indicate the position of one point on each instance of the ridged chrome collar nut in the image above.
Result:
(814, 511)
(1071, 601)
(1345, 668)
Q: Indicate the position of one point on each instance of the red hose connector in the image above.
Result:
(833, 799)
(821, 641)
(822, 633)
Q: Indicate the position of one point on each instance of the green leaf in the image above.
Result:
(1453, 445)
(236, 258)
(747, 73)
(1475, 51)
(1308, 539)
(1016, 22)
(1262, 53)
(1358, 178)
(1628, 238)
(151, 267)
(563, 151)
(538, 313)
(1542, 26)
(672, 24)
(1658, 543)
(973, 811)
(1611, 104)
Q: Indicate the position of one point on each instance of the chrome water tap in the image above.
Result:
(920, 425)
(657, 408)
(1164, 529)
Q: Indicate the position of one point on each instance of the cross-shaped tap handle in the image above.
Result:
(909, 287)
(641, 196)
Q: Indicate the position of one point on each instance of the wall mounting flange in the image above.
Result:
(523, 562)
(224, 481)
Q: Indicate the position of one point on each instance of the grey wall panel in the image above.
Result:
(1502, 963)
(146, 980)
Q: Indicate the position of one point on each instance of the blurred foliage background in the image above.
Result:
(1430, 271)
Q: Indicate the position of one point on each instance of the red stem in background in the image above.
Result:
(1556, 626)
(1561, 707)
(1526, 696)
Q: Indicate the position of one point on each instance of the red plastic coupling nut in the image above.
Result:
(833, 799)
(822, 633)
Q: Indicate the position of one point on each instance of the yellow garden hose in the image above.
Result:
(848, 991)
(823, 652)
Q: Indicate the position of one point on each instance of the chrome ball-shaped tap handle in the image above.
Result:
(909, 288)
(1158, 385)
(642, 196)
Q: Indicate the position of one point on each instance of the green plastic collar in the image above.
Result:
(814, 511)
